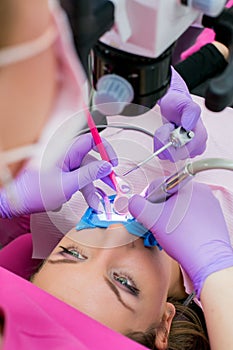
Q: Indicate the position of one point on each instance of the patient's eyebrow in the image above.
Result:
(116, 292)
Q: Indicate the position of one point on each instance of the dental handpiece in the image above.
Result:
(176, 181)
(170, 185)
(178, 138)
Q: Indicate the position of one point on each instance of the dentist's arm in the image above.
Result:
(191, 228)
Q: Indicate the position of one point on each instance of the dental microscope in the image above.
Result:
(126, 46)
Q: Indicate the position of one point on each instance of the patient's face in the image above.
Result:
(123, 286)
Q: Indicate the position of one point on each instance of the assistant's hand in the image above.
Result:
(37, 191)
(178, 109)
(190, 226)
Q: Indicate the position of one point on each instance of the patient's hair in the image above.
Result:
(188, 330)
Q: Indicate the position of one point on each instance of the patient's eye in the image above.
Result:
(73, 252)
(126, 282)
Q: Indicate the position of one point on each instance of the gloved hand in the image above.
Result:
(178, 109)
(191, 228)
(89, 191)
(37, 191)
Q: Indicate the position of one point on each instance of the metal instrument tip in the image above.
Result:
(130, 170)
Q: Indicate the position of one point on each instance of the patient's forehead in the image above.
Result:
(111, 237)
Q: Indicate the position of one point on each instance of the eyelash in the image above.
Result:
(130, 284)
(73, 251)
(131, 287)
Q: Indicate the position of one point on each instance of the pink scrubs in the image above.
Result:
(34, 319)
(17, 257)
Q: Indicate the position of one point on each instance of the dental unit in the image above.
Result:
(128, 62)
(127, 74)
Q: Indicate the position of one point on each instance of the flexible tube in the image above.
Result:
(209, 164)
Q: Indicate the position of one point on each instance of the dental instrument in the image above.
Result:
(178, 138)
(123, 189)
(177, 180)
(100, 146)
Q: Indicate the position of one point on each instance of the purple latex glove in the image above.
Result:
(178, 109)
(89, 191)
(39, 191)
(190, 226)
